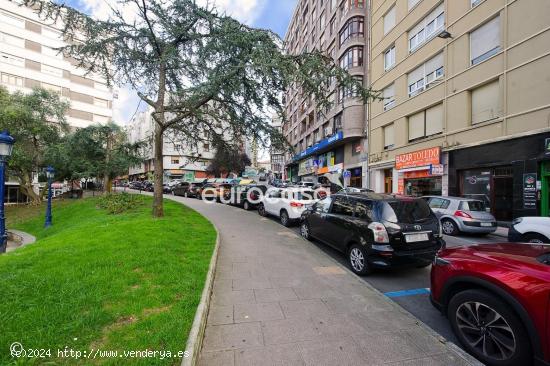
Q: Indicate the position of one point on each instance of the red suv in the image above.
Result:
(497, 299)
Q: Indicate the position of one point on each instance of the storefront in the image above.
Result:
(511, 176)
(420, 173)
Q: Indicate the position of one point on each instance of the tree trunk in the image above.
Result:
(107, 181)
(26, 187)
(158, 210)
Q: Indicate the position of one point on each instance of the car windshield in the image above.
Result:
(405, 211)
(472, 206)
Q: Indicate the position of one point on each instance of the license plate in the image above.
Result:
(411, 238)
(486, 224)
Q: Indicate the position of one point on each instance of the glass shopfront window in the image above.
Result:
(429, 186)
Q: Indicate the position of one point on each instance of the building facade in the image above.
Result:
(179, 161)
(28, 60)
(466, 107)
(332, 140)
(277, 157)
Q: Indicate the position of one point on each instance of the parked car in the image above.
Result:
(181, 189)
(375, 230)
(166, 188)
(214, 191)
(459, 214)
(194, 189)
(135, 185)
(495, 297)
(530, 230)
(245, 196)
(286, 203)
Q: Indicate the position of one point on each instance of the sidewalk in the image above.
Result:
(279, 300)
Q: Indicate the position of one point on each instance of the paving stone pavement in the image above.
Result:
(279, 300)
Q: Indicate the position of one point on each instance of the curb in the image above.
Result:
(196, 334)
(466, 357)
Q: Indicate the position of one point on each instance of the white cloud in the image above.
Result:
(246, 11)
(126, 105)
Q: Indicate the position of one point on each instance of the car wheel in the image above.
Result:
(535, 238)
(489, 329)
(304, 230)
(357, 257)
(261, 210)
(285, 220)
(246, 206)
(449, 227)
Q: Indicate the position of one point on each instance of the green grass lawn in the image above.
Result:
(111, 282)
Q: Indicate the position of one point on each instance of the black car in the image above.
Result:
(375, 230)
(245, 196)
(181, 189)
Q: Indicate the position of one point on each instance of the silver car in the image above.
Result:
(459, 214)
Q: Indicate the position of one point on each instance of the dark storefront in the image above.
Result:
(507, 175)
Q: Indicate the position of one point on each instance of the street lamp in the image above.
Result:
(6, 147)
(49, 174)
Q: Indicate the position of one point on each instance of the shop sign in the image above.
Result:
(436, 169)
(320, 145)
(530, 190)
(418, 158)
(306, 167)
(401, 186)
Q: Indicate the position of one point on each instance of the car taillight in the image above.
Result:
(462, 214)
(296, 204)
(380, 233)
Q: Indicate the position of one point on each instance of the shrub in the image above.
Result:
(116, 203)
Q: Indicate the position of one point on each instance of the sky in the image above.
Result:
(267, 14)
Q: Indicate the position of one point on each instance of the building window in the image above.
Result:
(388, 137)
(485, 41)
(331, 26)
(353, 57)
(389, 20)
(12, 60)
(389, 58)
(356, 148)
(315, 135)
(426, 123)
(354, 27)
(338, 122)
(206, 147)
(427, 28)
(426, 75)
(485, 102)
(50, 70)
(347, 5)
(412, 3)
(12, 40)
(476, 2)
(12, 80)
(389, 97)
(175, 161)
(349, 92)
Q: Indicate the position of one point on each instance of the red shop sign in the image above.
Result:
(418, 158)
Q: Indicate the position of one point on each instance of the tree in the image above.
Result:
(36, 121)
(227, 159)
(97, 151)
(197, 69)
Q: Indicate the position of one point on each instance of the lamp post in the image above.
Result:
(50, 171)
(6, 146)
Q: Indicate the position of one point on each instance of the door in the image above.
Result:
(502, 198)
(316, 219)
(338, 225)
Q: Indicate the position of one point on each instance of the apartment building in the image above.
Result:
(28, 60)
(180, 162)
(331, 140)
(467, 108)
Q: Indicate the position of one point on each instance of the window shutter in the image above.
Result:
(389, 20)
(388, 136)
(389, 91)
(434, 120)
(416, 126)
(440, 9)
(434, 63)
(485, 38)
(416, 75)
(485, 102)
